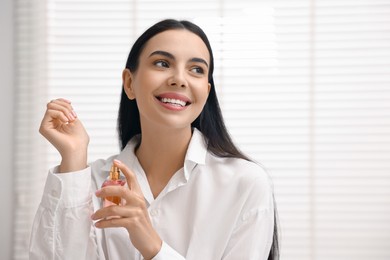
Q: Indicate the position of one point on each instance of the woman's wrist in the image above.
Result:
(153, 250)
(73, 162)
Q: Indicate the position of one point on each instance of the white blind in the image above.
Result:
(30, 95)
(351, 130)
(304, 86)
(88, 42)
(267, 103)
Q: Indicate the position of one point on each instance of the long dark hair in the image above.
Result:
(210, 121)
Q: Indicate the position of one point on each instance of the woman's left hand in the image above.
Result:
(132, 215)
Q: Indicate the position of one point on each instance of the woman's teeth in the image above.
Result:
(174, 101)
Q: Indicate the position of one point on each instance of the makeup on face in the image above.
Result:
(171, 82)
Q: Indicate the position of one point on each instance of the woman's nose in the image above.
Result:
(178, 79)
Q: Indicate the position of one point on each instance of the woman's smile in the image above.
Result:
(173, 101)
(171, 83)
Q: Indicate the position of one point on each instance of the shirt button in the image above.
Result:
(54, 193)
(154, 212)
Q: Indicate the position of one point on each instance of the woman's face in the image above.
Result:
(170, 84)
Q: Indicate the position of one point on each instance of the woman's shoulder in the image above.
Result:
(241, 180)
(235, 164)
(241, 171)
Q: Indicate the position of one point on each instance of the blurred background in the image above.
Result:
(304, 86)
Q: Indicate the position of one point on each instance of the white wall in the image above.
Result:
(6, 129)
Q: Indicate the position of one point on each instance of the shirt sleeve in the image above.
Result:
(252, 236)
(62, 227)
(168, 253)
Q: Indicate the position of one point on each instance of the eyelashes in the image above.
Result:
(165, 64)
(161, 63)
(198, 70)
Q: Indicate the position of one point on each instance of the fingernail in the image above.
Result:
(98, 192)
(74, 113)
(70, 116)
(117, 161)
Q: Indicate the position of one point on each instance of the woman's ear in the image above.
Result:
(127, 79)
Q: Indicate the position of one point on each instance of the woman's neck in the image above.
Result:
(161, 153)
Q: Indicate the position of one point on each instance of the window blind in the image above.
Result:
(30, 83)
(303, 85)
(351, 155)
(267, 104)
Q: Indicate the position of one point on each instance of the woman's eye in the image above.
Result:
(161, 63)
(197, 70)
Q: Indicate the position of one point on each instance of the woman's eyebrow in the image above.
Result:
(200, 60)
(170, 56)
(163, 53)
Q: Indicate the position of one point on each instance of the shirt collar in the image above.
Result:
(196, 153)
(197, 149)
(126, 156)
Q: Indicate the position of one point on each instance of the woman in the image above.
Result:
(190, 193)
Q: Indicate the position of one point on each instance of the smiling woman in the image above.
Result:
(173, 75)
(190, 194)
(303, 86)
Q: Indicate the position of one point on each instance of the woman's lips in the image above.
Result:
(173, 101)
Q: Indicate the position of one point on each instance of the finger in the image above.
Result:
(131, 179)
(65, 100)
(129, 196)
(64, 107)
(55, 114)
(117, 216)
(118, 211)
(113, 190)
(53, 119)
(61, 101)
(112, 222)
(60, 104)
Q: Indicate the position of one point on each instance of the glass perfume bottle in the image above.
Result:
(113, 179)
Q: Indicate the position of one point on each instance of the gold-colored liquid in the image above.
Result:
(112, 200)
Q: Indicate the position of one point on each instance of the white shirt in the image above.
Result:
(212, 208)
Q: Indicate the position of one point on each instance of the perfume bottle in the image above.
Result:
(113, 179)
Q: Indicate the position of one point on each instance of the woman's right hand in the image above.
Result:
(61, 127)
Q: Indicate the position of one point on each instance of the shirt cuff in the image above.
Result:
(71, 189)
(167, 253)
